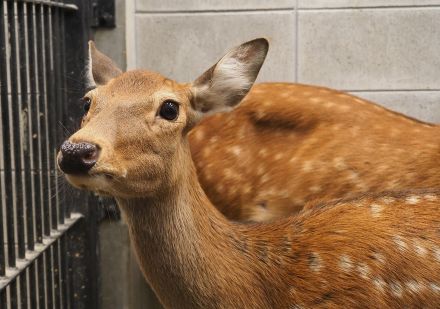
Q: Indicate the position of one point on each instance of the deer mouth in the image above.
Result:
(98, 183)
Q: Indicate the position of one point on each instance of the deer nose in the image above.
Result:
(77, 158)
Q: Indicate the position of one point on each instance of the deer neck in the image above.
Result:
(186, 249)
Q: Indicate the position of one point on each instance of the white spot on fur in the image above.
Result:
(414, 286)
(396, 289)
(352, 175)
(364, 270)
(376, 209)
(261, 170)
(298, 201)
(307, 166)
(412, 199)
(437, 253)
(236, 150)
(419, 248)
(339, 163)
(278, 156)
(229, 173)
(400, 243)
(345, 263)
(431, 197)
(315, 189)
(316, 99)
(379, 284)
(337, 127)
(247, 189)
(213, 139)
(199, 135)
(434, 287)
(388, 200)
(329, 104)
(262, 152)
(264, 178)
(379, 257)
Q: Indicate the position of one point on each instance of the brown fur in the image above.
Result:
(374, 252)
(287, 144)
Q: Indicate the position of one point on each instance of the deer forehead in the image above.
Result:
(139, 85)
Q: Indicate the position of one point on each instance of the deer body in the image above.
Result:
(378, 251)
(287, 144)
(194, 258)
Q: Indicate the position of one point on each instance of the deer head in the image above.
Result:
(132, 136)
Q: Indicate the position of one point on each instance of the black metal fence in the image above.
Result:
(48, 257)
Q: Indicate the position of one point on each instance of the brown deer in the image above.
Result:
(370, 252)
(287, 144)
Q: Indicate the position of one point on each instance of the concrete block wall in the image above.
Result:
(384, 50)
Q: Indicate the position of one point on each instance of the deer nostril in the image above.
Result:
(77, 158)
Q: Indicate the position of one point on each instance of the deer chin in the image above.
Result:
(98, 183)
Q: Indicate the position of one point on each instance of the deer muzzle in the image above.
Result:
(77, 158)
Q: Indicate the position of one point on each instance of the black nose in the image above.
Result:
(77, 158)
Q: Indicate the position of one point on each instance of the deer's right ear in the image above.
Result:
(226, 83)
(100, 68)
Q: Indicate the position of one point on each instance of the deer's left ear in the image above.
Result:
(226, 83)
(100, 69)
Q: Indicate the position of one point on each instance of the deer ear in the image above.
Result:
(100, 68)
(226, 83)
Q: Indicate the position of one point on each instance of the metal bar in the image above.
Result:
(57, 110)
(35, 116)
(51, 103)
(3, 298)
(41, 283)
(3, 102)
(56, 274)
(28, 105)
(65, 6)
(13, 294)
(49, 275)
(27, 136)
(43, 119)
(26, 142)
(31, 257)
(65, 291)
(40, 214)
(23, 284)
(7, 163)
(64, 206)
(16, 134)
(33, 290)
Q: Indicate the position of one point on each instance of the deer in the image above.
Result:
(287, 144)
(378, 250)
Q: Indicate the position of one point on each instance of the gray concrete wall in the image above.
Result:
(384, 50)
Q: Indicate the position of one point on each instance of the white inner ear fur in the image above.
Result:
(231, 79)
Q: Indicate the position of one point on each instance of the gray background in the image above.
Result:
(385, 51)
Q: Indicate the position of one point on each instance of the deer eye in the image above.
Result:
(86, 105)
(169, 110)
